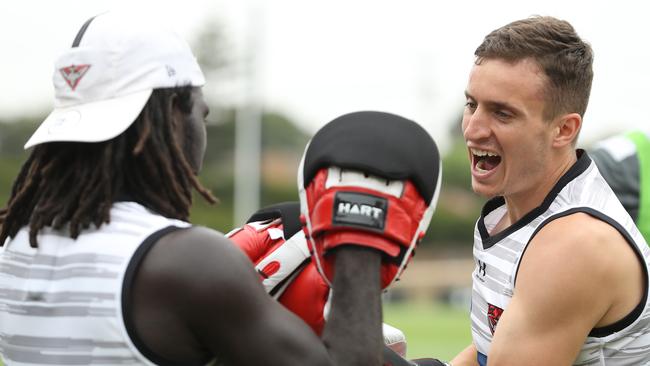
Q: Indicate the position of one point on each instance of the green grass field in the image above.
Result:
(432, 330)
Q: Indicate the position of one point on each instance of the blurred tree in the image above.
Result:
(282, 146)
(458, 207)
(212, 48)
(455, 165)
(282, 141)
(13, 135)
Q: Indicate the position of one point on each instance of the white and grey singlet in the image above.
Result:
(61, 303)
(497, 257)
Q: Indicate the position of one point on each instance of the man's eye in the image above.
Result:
(470, 105)
(502, 114)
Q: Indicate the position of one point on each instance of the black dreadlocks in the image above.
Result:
(75, 184)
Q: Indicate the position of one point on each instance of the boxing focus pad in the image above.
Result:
(369, 179)
(286, 270)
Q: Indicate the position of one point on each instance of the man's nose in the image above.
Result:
(475, 125)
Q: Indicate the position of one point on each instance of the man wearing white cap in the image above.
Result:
(98, 264)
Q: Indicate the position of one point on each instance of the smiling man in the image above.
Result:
(561, 272)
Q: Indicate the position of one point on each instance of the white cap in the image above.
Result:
(102, 83)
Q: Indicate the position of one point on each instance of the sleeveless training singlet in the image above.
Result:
(61, 303)
(497, 257)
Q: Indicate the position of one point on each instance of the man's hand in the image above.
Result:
(295, 284)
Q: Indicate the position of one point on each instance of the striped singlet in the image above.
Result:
(61, 303)
(497, 258)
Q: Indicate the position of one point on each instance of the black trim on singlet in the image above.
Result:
(127, 299)
(488, 241)
(289, 212)
(81, 32)
(636, 312)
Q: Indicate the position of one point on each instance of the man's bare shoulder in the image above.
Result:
(584, 243)
(580, 259)
(581, 233)
(197, 239)
(197, 260)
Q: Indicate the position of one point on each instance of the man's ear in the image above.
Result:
(567, 128)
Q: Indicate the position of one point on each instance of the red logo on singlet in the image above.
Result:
(72, 74)
(493, 314)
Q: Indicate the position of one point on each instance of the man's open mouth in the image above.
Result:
(484, 161)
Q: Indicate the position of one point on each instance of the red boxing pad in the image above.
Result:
(353, 208)
(369, 179)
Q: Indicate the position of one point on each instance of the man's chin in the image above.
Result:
(484, 190)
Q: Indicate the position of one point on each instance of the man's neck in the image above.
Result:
(521, 203)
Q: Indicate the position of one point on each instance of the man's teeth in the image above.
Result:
(481, 162)
(480, 153)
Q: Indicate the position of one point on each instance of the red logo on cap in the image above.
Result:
(73, 74)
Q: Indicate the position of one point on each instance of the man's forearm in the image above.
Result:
(353, 333)
(467, 357)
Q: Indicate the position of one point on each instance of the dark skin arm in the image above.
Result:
(197, 296)
(356, 308)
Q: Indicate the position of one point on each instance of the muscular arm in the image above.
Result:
(198, 296)
(355, 287)
(577, 274)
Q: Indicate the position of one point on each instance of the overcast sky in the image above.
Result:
(317, 60)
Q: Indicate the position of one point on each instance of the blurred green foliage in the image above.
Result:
(282, 146)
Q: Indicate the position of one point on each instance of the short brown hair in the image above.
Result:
(561, 54)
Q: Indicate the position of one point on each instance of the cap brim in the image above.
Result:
(90, 122)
